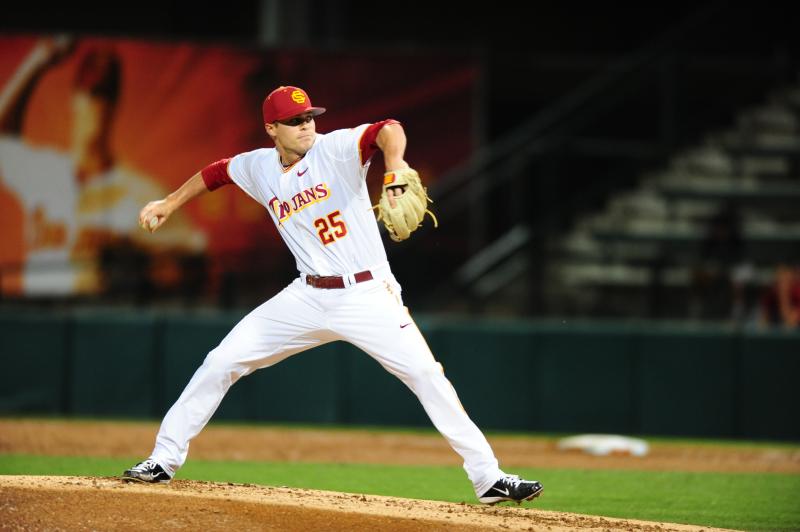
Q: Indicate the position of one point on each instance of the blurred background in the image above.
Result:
(585, 161)
(620, 184)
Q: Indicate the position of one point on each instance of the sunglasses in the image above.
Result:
(296, 121)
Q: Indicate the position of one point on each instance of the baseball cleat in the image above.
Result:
(147, 471)
(512, 488)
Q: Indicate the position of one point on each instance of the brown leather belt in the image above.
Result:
(333, 281)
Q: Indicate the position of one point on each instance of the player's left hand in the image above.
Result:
(390, 194)
(403, 203)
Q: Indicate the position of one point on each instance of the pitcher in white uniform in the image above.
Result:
(314, 187)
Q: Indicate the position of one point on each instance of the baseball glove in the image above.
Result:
(410, 206)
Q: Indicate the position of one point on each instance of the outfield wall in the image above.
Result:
(528, 376)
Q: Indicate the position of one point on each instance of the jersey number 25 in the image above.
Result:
(330, 228)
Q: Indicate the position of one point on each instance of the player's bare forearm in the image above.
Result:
(155, 213)
(391, 140)
(193, 187)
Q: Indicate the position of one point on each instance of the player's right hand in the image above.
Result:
(154, 214)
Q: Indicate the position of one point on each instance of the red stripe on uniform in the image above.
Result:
(367, 146)
(216, 175)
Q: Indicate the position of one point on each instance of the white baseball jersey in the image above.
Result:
(320, 204)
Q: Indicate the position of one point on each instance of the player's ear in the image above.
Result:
(270, 129)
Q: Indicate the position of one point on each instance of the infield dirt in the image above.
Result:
(85, 503)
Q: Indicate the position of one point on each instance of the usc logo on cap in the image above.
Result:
(298, 96)
(286, 102)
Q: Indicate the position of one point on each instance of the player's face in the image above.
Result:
(295, 134)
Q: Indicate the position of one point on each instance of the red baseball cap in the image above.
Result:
(286, 102)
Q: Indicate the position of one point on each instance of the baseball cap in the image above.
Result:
(286, 102)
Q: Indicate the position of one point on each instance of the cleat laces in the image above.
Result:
(144, 467)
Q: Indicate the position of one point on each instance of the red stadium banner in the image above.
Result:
(91, 129)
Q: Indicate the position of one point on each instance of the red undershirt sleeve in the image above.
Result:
(367, 146)
(216, 175)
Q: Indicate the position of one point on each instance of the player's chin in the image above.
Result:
(305, 142)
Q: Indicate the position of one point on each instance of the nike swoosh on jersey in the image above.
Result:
(404, 326)
(299, 173)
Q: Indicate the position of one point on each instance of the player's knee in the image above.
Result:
(424, 373)
(221, 362)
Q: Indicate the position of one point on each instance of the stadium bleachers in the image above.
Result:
(729, 203)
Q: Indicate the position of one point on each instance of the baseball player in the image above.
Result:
(314, 187)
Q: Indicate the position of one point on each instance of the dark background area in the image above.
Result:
(504, 29)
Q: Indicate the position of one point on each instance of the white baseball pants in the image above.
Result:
(369, 315)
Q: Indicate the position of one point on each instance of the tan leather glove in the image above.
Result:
(410, 206)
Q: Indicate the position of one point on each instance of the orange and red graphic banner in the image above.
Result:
(91, 129)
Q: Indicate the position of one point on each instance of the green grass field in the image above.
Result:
(749, 501)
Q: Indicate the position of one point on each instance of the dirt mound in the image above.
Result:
(85, 503)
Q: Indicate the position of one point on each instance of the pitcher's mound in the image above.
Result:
(86, 503)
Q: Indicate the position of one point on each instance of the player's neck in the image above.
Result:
(289, 158)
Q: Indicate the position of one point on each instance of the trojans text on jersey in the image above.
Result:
(284, 209)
